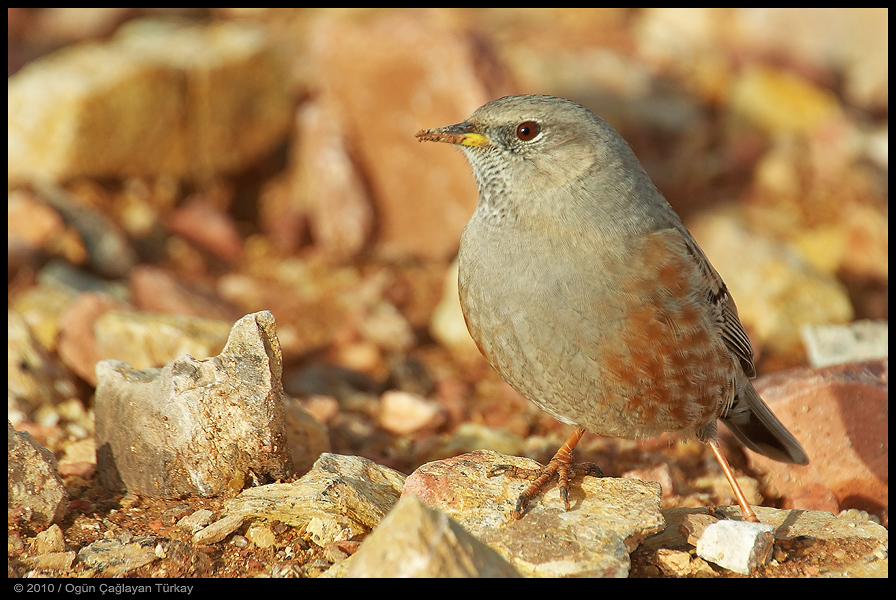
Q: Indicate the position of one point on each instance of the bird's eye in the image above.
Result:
(527, 130)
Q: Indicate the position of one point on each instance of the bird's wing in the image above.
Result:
(716, 293)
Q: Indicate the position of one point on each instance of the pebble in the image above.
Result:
(261, 536)
(196, 521)
(403, 412)
(218, 530)
(673, 563)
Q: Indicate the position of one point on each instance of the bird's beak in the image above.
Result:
(462, 134)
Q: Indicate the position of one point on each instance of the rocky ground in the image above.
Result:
(172, 174)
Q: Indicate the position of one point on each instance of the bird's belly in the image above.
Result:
(587, 361)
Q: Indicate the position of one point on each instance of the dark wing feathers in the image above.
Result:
(729, 324)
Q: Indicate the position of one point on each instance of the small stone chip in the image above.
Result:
(218, 530)
(693, 526)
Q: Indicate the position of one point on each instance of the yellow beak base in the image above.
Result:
(461, 134)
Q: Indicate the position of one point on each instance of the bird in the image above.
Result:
(584, 290)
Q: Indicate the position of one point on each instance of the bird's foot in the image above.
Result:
(561, 466)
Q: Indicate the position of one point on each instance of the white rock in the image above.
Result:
(736, 545)
(837, 344)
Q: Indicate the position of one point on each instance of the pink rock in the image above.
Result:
(385, 78)
(155, 289)
(210, 228)
(340, 215)
(76, 342)
(840, 414)
(659, 473)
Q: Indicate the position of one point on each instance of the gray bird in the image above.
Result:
(587, 294)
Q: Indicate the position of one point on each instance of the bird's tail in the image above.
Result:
(756, 427)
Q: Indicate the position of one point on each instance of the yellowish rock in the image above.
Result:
(781, 101)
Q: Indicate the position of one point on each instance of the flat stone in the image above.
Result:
(607, 519)
(341, 498)
(114, 557)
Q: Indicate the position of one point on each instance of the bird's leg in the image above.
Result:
(745, 507)
(561, 465)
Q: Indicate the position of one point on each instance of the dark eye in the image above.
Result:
(527, 130)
